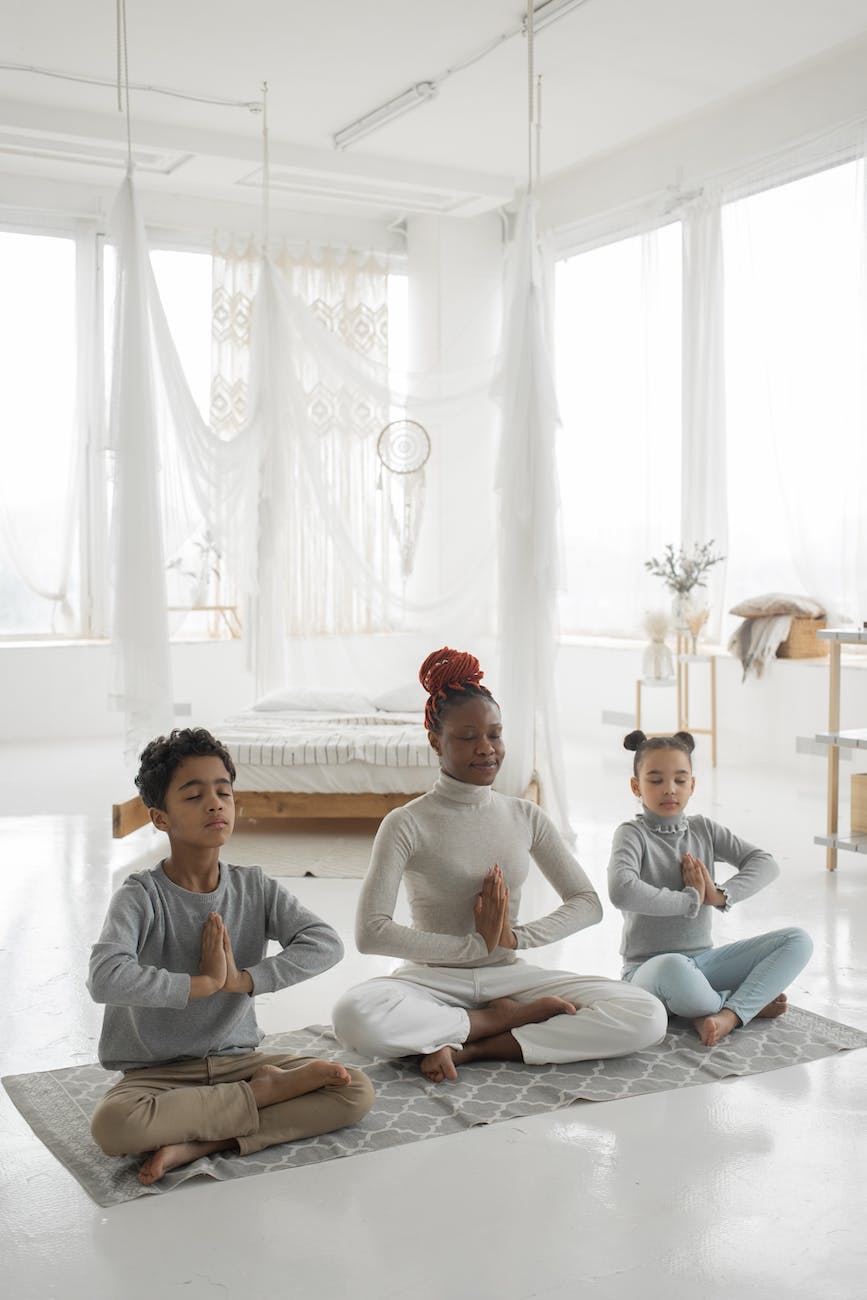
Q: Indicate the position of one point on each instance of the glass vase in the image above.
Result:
(657, 664)
(681, 607)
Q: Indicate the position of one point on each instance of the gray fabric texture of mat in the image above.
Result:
(57, 1104)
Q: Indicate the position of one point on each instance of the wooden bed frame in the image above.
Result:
(253, 804)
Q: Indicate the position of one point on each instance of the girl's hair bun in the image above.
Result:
(634, 740)
(686, 739)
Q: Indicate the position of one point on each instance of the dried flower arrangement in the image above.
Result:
(682, 570)
(656, 624)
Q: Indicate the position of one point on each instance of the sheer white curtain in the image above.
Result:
(287, 503)
(142, 685)
(529, 511)
(704, 511)
(312, 590)
(796, 367)
(174, 483)
(618, 354)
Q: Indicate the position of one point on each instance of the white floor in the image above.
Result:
(751, 1188)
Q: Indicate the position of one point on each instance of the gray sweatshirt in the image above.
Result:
(440, 847)
(645, 881)
(151, 943)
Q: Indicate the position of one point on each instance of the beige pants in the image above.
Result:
(208, 1100)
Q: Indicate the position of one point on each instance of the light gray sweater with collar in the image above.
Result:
(439, 847)
(645, 881)
(151, 944)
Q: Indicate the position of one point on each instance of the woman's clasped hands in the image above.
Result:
(491, 911)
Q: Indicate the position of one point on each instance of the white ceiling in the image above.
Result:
(612, 70)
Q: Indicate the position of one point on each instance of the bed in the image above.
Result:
(314, 755)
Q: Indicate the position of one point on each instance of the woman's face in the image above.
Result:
(470, 744)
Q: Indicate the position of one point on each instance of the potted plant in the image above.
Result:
(682, 571)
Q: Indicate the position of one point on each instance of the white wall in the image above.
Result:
(758, 721)
(819, 98)
(60, 691)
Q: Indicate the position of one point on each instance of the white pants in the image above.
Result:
(419, 1009)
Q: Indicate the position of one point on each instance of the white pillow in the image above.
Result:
(310, 699)
(402, 699)
(778, 602)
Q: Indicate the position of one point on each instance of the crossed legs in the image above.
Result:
(449, 1016)
(722, 988)
(243, 1103)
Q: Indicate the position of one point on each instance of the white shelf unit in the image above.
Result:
(837, 739)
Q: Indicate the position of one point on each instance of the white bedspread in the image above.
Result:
(284, 739)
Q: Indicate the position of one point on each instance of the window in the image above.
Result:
(55, 487)
(38, 531)
(794, 374)
(617, 344)
(795, 348)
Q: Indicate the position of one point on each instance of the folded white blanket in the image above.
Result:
(757, 640)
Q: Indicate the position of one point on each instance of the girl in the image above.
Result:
(462, 852)
(661, 876)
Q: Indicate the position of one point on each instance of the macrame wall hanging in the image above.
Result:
(403, 449)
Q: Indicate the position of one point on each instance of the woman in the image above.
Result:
(462, 852)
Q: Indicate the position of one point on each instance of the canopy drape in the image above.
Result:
(176, 479)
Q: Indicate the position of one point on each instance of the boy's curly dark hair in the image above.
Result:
(161, 757)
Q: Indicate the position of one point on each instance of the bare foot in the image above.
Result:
(514, 1013)
(712, 1029)
(159, 1162)
(439, 1065)
(773, 1009)
(271, 1084)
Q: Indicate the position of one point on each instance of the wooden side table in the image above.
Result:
(684, 659)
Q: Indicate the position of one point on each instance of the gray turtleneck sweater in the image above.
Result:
(440, 846)
(646, 883)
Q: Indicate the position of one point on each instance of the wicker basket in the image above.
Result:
(802, 642)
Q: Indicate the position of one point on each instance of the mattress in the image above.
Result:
(330, 753)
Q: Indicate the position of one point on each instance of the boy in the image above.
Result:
(181, 954)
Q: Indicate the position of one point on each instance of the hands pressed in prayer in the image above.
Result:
(491, 910)
(218, 972)
(695, 875)
(213, 961)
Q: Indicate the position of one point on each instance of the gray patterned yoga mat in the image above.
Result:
(57, 1104)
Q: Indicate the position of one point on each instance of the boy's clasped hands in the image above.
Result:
(217, 970)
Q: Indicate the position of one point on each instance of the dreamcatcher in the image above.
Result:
(403, 449)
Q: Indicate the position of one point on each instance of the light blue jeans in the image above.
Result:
(743, 976)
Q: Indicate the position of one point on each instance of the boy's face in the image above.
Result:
(200, 806)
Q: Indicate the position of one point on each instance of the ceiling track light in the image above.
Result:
(548, 12)
(394, 108)
(543, 15)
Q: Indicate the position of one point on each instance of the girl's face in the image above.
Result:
(665, 781)
(470, 744)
